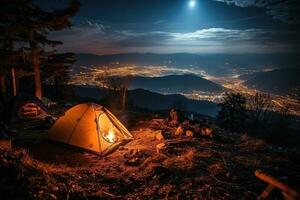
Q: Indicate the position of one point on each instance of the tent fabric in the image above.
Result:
(91, 127)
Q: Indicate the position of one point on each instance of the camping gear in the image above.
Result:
(27, 107)
(48, 102)
(91, 127)
(29, 110)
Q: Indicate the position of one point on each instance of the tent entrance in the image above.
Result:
(107, 130)
(111, 132)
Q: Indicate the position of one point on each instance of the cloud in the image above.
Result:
(93, 37)
(286, 11)
(221, 34)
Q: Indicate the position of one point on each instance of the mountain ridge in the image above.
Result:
(283, 81)
(212, 63)
(142, 98)
(174, 83)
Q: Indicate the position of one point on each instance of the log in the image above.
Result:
(277, 183)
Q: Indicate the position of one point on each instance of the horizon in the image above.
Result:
(274, 53)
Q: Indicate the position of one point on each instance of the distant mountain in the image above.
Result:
(212, 63)
(174, 84)
(154, 101)
(285, 81)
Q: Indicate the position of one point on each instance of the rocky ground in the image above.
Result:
(162, 162)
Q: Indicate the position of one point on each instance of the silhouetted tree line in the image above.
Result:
(26, 50)
(254, 115)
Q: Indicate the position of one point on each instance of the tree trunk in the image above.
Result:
(37, 74)
(14, 81)
(2, 86)
(124, 91)
(36, 66)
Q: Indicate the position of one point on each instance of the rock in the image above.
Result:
(207, 132)
(53, 196)
(159, 135)
(121, 148)
(179, 131)
(133, 161)
(160, 147)
(189, 133)
(5, 144)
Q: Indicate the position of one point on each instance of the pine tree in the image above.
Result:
(232, 114)
(11, 55)
(32, 26)
(56, 73)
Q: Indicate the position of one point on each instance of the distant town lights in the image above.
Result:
(192, 3)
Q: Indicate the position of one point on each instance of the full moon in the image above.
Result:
(192, 3)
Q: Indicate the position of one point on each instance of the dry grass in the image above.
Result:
(251, 143)
(182, 162)
(188, 168)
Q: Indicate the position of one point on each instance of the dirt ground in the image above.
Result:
(182, 168)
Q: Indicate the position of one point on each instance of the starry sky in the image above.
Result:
(171, 26)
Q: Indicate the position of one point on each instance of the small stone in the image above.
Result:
(159, 135)
(53, 196)
(179, 131)
(160, 147)
(55, 188)
(189, 133)
(207, 132)
(121, 148)
(132, 162)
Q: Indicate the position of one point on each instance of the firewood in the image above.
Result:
(291, 192)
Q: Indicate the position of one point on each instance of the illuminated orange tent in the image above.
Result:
(91, 127)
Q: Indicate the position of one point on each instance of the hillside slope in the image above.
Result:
(174, 83)
(154, 101)
(284, 81)
(221, 167)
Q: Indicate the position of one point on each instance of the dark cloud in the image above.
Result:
(150, 39)
(286, 11)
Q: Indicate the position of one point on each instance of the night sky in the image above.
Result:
(169, 26)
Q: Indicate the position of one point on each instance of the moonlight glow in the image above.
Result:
(192, 3)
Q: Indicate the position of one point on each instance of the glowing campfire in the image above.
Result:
(111, 136)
